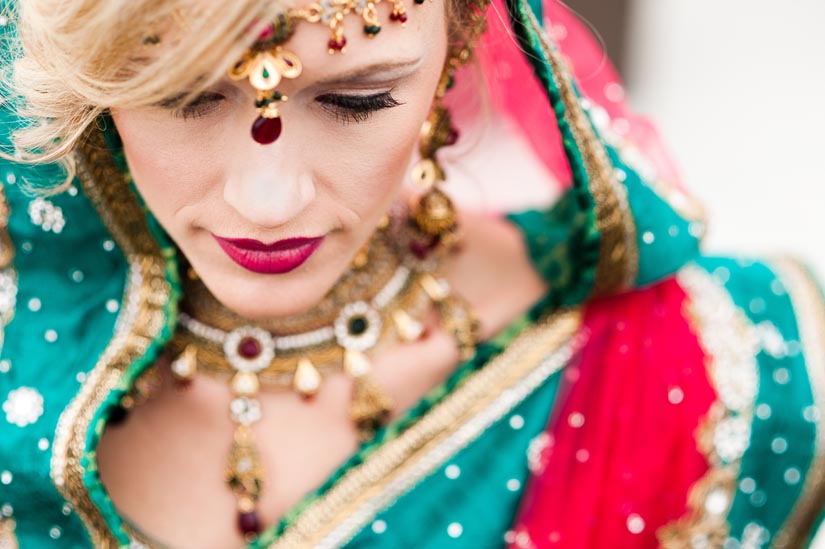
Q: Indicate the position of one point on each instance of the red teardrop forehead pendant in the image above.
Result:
(267, 63)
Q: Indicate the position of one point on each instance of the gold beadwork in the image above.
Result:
(267, 63)
(728, 339)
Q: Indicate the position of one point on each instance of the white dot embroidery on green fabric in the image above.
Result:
(781, 376)
(77, 276)
(108, 245)
(6, 477)
(648, 237)
(34, 304)
(747, 485)
(379, 526)
(43, 444)
(452, 471)
(792, 475)
(696, 229)
(517, 422)
(763, 411)
(778, 288)
(513, 484)
(5, 366)
(794, 347)
(455, 530)
(55, 532)
(757, 305)
(811, 414)
(112, 305)
(7, 510)
(50, 336)
(81, 377)
(67, 509)
(721, 274)
(758, 498)
(779, 445)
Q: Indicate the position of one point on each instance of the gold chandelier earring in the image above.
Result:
(434, 220)
(434, 215)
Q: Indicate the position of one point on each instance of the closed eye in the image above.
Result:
(356, 108)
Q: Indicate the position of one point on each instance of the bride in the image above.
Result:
(367, 274)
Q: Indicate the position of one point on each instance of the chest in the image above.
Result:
(164, 466)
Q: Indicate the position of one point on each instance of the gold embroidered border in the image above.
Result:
(730, 344)
(398, 465)
(8, 539)
(7, 270)
(140, 321)
(810, 309)
(619, 254)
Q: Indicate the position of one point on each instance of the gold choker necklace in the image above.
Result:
(381, 299)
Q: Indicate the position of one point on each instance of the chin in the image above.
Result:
(262, 297)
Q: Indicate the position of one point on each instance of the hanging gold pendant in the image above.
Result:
(370, 406)
(457, 319)
(244, 476)
(185, 366)
(356, 363)
(245, 384)
(307, 379)
(408, 328)
(437, 290)
(435, 213)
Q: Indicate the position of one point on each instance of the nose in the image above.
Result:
(267, 199)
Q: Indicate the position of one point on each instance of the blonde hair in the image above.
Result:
(74, 60)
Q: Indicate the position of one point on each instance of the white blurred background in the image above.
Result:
(737, 88)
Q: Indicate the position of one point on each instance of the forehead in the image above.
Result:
(367, 32)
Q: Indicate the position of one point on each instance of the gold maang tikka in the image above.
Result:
(267, 63)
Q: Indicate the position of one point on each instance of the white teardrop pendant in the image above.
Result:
(307, 378)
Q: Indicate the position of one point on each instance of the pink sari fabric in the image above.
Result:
(620, 453)
(515, 92)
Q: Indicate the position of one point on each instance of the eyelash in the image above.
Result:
(345, 108)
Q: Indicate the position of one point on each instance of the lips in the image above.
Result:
(276, 258)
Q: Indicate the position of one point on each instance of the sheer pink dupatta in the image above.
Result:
(516, 94)
(618, 458)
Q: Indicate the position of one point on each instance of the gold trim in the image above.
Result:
(396, 466)
(808, 304)
(729, 340)
(140, 321)
(6, 266)
(8, 539)
(619, 254)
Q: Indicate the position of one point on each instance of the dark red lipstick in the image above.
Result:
(276, 258)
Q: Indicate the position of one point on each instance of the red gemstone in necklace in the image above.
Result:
(266, 130)
(249, 348)
(249, 524)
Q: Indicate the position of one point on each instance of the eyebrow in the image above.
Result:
(370, 70)
(345, 78)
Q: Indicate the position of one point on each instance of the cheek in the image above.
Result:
(168, 174)
(366, 170)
